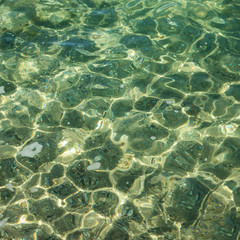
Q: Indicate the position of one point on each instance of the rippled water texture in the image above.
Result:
(119, 120)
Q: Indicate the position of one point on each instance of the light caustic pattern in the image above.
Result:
(119, 120)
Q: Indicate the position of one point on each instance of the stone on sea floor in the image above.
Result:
(49, 151)
(153, 131)
(6, 196)
(46, 65)
(153, 183)
(87, 233)
(72, 119)
(221, 170)
(177, 47)
(74, 55)
(230, 151)
(236, 196)
(14, 212)
(74, 235)
(179, 81)
(105, 202)
(32, 181)
(11, 170)
(47, 180)
(130, 212)
(45, 232)
(214, 67)
(145, 103)
(146, 26)
(184, 158)
(88, 180)
(36, 192)
(7, 40)
(205, 45)
(141, 81)
(200, 82)
(96, 139)
(172, 118)
(136, 41)
(234, 91)
(6, 87)
(160, 90)
(186, 201)
(57, 171)
(177, 163)
(70, 97)
(221, 105)
(101, 17)
(77, 42)
(125, 179)
(111, 68)
(67, 223)
(45, 209)
(51, 115)
(191, 32)
(96, 104)
(63, 190)
(79, 202)
(100, 86)
(19, 135)
(117, 233)
(78, 50)
(159, 68)
(121, 106)
(19, 230)
(140, 144)
(165, 25)
(141, 133)
(108, 155)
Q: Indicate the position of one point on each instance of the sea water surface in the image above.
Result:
(119, 120)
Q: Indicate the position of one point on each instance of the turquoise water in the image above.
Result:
(119, 120)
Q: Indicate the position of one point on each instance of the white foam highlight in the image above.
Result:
(94, 166)
(2, 90)
(31, 150)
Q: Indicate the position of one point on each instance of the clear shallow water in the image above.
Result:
(119, 120)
